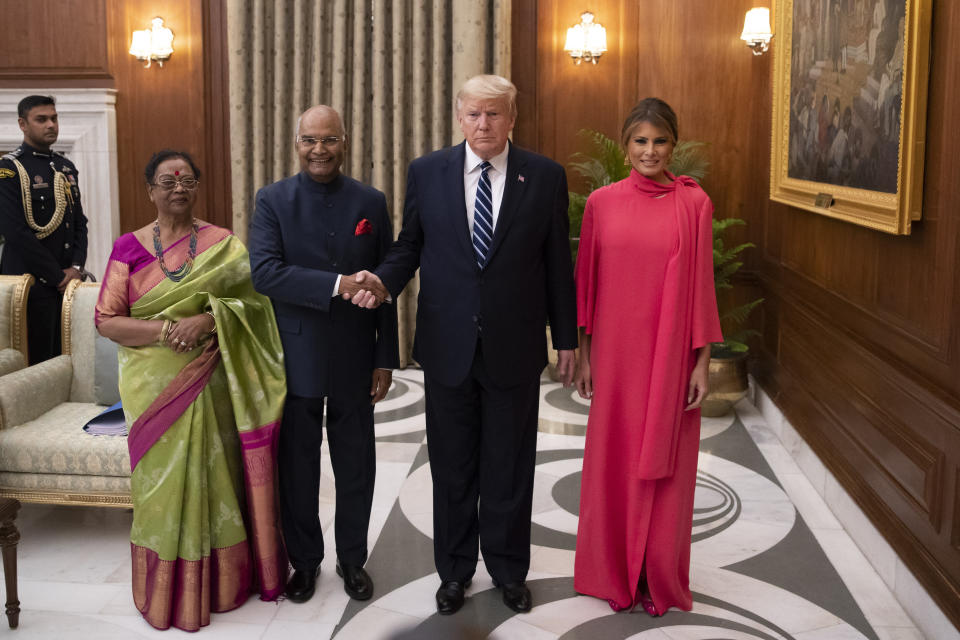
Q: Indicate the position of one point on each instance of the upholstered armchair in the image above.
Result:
(13, 322)
(45, 456)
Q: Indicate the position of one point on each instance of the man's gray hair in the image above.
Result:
(488, 87)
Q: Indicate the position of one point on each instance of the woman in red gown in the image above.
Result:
(648, 313)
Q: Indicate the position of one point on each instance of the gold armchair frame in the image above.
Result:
(18, 324)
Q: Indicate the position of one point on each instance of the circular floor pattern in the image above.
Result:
(727, 605)
(750, 514)
(402, 411)
(562, 410)
(727, 528)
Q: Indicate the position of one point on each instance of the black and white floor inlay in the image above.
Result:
(769, 561)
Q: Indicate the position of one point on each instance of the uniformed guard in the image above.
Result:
(42, 222)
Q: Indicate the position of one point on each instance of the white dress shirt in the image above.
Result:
(471, 179)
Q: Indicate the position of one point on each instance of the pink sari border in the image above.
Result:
(266, 434)
(182, 593)
(259, 449)
(170, 405)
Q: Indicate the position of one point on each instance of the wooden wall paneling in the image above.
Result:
(877, 414)
(523, 72)
(864, 346)
(935, 565)
(54, 40)
(573, 97)
(217, 184)
(838, 256)
(157, 107)
(921, 272)
(916, 280)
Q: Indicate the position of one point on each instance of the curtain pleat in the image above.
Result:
(391, 68)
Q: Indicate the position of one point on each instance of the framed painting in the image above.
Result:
(849, 109)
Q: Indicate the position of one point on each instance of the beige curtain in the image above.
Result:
(391, 68)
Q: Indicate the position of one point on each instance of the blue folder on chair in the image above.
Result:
(110, 422)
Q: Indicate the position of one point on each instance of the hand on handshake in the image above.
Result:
(363, 289)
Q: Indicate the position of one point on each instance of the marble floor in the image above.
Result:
(769, 559)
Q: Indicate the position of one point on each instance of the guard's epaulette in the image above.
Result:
(16, 153)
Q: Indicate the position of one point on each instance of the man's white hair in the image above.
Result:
(488, 87)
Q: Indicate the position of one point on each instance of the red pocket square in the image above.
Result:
(363, 228)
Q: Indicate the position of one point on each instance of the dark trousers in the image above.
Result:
(482, 440)
(43, 327)
(353, 455)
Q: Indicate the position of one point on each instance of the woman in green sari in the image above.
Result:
(202, 384)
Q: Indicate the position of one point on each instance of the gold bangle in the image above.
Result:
(165, 331)
(210, 313)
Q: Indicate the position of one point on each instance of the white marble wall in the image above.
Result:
(914, 599)
(88, 136)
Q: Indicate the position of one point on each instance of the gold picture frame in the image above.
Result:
(849, 109)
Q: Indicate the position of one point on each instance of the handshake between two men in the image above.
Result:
(364, 289)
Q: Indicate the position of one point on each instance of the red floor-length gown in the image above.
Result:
(645, 294)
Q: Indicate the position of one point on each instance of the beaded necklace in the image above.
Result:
(181, 272)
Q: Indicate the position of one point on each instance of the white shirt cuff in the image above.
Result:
(336, 286)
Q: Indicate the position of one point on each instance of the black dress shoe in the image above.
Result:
(450, 597)
(356, 581)
(516, 595)
(301, 586)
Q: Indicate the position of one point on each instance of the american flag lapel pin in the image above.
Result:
(521, 178)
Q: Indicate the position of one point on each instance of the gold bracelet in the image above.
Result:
(210, 313)
(165, 331)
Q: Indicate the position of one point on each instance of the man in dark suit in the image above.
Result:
(486, 222)
(42, 221)
(306, 231)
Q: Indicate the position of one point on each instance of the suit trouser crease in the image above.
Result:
(482, 444)
(353, 457)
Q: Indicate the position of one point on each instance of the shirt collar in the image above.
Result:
(472, 162)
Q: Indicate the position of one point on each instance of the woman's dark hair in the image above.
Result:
(656, 112)
(150, 172)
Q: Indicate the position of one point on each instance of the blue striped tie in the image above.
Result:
(483, 216)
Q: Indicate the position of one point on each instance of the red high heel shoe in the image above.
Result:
(648, 605)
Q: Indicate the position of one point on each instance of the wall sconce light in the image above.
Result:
(586, 41)
(155, 43)
(756, 30)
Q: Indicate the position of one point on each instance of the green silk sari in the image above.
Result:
(203, 436)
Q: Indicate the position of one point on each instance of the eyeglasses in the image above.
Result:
(189, 183)
(327, 141)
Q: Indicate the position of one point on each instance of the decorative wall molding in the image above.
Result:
(892, 569)
(88, 136)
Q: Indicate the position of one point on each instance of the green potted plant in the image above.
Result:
(728, 359)
(602, 164)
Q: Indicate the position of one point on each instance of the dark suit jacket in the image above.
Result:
(528, 276)
(302, 235)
